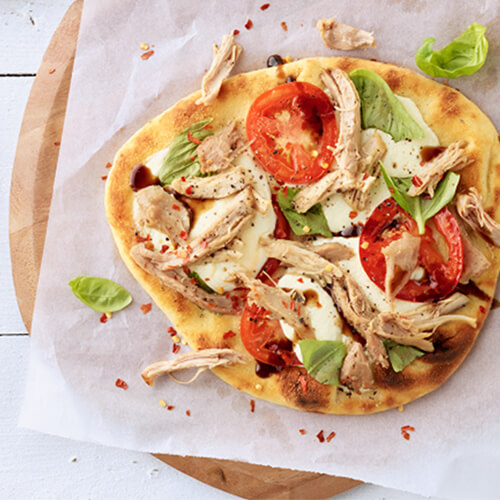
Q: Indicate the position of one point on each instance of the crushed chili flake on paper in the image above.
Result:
(249, 24)
(172, 331)
(145, 308)
(252, 405)
(236, 32)
(405, 431)
(284, 26)
(321, 437)
(330, 436)
(104, 177)
(109, 164)
(302, 431)
(103, 318)
(176, 348)
(147, 55)
(265, 6)
(188, 413)
(121, 384)
(170, 407)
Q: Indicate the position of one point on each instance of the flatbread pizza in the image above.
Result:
(321, 232)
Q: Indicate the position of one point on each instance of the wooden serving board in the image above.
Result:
(30, 196)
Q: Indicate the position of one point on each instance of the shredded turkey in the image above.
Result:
(394, 327)
(224, 59)
(401, 259)
(470, 208)
(340, 36)
(160, 210)
(452, 158)
(345, 174)
(203, 359)
(217, 186)
(217, 151)
(355, 372)
(303, 258)
(333, 252)
(179, 282)
(223, 229)
(475, 262)
(279, 304)
(372, 152)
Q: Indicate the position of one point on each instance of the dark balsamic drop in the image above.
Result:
(141, 177)
(274, 60)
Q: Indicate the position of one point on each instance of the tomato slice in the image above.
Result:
(289, 128)
(281, 231)
(264, 339)
(387, 223)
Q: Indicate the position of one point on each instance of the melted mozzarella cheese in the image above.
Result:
(323, 316)
(218, 274)
(402, 159)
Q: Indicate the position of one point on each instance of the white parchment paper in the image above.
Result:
(75, 360)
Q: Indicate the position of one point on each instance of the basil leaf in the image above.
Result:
(381, 109)
(463, 56)
(444, 193)
(418, 207)
(401, 356)
(201, 282)
(100, 294)
(181, 158)
(323, 359)
(314, 218)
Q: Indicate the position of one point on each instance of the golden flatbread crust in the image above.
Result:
(451, 116)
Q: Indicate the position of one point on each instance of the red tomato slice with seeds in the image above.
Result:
(264, 339)
(291, 130)
(387, 223)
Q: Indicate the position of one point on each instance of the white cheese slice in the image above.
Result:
(325, 321)
(401, 160)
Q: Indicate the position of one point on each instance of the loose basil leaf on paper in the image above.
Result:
(181, 158)
(100, 294)
(463, 56)
(420, 208)
(314, 218)
(381, 109)
(401, 356)
(323, 359)
(201, 282)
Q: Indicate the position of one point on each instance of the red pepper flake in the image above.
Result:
(109, 164)
(285, 191)
(164, 248)
(176, 207)
(57, 143)
(140, 239)
(204, 244)
(147, 55)
(121, 384)
(284, 304)
(176, 348)
(353, 214)
(422, 163)
(284, 26)
(189, 189)
(265, 6)
(103, 318)
(249, 24)
(183, 235)
(149, 245)
(391, 190)
(104, 177)
(193, 281)
(252, 405)
(405, 431)
(192, 158)
(300, 280)
(145, 308)
(236, 32)
(303, 383)
(320, 436)
(52, 71)
(482, 309)
(172, 331)
(302, 431)
(330, 436)
(276, 188)
(416, 181)
(228, 334)
(193, 139)
(188, 413)
(170, 407)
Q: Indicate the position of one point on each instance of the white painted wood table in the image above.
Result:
(34, 465)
